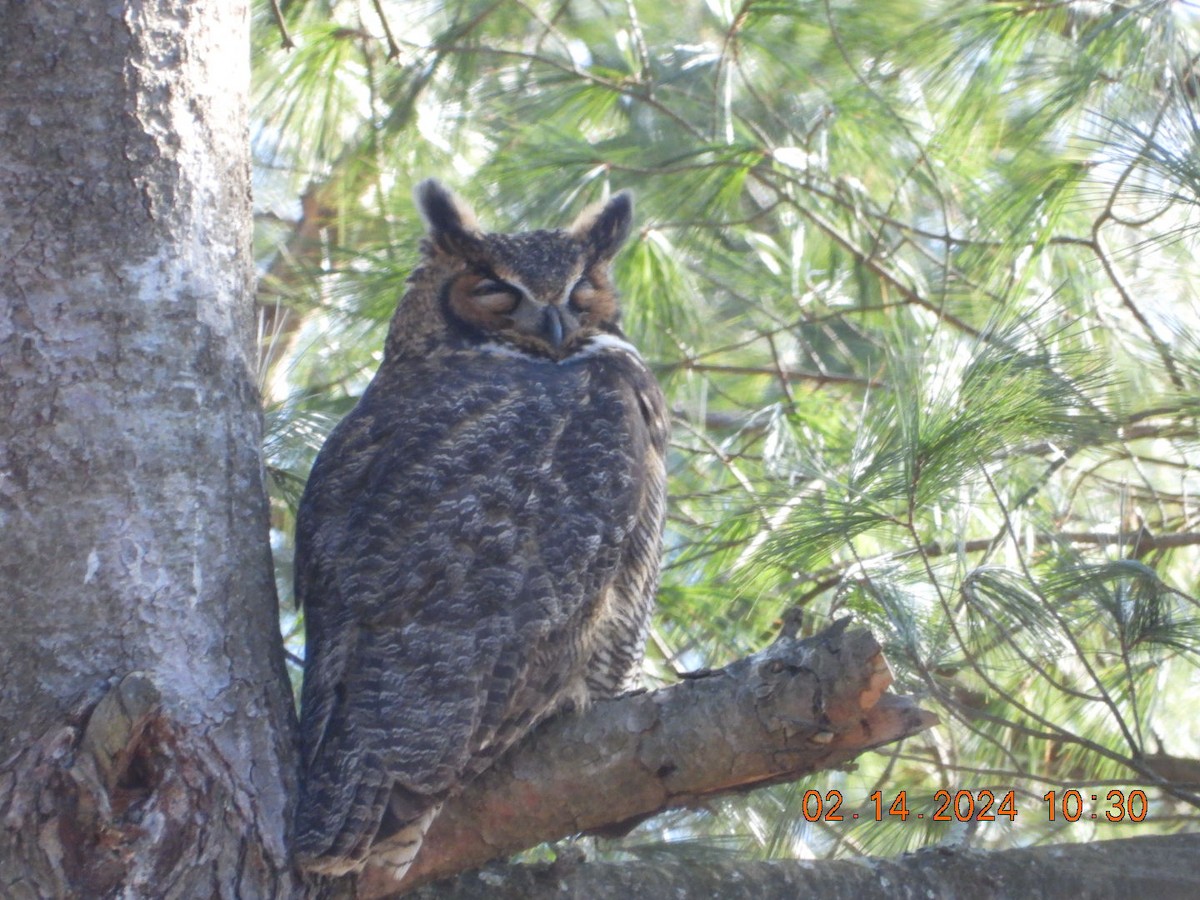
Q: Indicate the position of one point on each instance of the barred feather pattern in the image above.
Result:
(479, 542)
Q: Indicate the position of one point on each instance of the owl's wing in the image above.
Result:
(457, 549)
(616, 661)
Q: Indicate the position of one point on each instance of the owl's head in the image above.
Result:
(544, 294)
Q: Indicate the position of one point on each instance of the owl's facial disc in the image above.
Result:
(551, 323)
(494, 308)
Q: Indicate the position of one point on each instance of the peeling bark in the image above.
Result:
(796, 707)
(146, 729)
(125, 802)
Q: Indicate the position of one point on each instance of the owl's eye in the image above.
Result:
(583, 291)
(495, 296)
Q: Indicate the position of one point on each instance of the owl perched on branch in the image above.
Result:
(478, 545)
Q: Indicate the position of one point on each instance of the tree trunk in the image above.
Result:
(135, 566)
(146, 728)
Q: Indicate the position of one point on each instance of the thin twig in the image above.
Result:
(393, 47)
(285, 39)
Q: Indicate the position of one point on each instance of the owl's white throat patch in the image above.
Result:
(603, 343)
(498, 349)
(593, 346)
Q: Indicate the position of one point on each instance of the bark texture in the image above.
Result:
(134, 558)
(1161, 867)
(796, 707)
(146, 730)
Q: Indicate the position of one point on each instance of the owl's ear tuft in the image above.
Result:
(452, 224)
(604, 227)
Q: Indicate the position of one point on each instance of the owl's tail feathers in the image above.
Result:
(335, 824)
(386, 832)
(396, 849)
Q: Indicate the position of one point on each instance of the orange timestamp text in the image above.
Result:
(980, 806)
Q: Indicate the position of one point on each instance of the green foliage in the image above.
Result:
(918, 279)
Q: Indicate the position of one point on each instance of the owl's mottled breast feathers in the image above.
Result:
(479, 541)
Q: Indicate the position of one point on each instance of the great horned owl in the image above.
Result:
(478, 544)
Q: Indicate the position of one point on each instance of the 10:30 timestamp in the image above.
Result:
(1122, 806)
(982, 806)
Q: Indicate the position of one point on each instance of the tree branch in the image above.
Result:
(797, 707)
(1154, 866)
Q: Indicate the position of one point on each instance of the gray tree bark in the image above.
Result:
(146, 727)
(134, 557)
(1163, 867)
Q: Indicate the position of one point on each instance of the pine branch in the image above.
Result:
(785, 375)
(797, 707)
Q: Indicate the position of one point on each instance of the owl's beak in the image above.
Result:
(555, 326)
